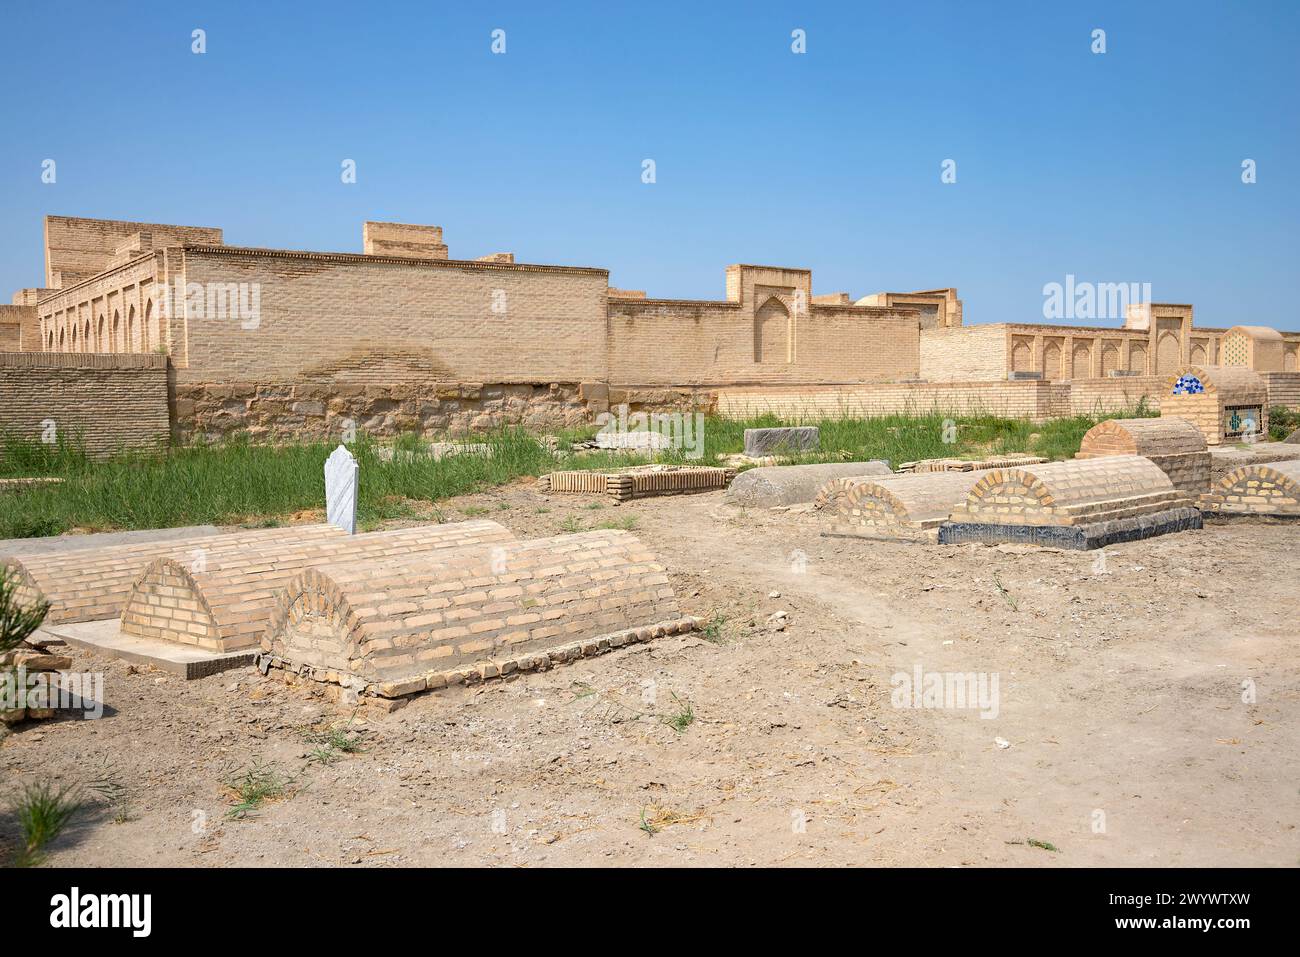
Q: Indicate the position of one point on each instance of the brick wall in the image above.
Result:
(1029, 398)
(76, 249)
(19, 329)
(682, 342)
(1283, 389)
(1093, 396)
(964, 353)
(112, 402)
(321, 314)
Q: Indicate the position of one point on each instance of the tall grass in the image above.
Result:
(237, 482)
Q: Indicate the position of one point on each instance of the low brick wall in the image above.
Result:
(1029, 398)
(1283, 389)
(111, 402)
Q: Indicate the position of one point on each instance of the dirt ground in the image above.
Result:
(1121, 737)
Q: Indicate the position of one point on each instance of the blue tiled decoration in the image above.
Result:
(1188, 385)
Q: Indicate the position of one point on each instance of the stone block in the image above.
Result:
(782, 441)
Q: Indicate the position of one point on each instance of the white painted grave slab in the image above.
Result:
(341, 490)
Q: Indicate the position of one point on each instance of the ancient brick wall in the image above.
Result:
(321, 315)
(681, 342)
(76, 248)
(112, 312)
(111, 402)
(1283, 389)
(19, 330)
(1029, 398)
(964, 353)
(1099, 396)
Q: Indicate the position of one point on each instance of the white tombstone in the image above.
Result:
(341, 490)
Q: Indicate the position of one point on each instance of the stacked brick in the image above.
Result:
(907, 507)
(226, 603)
(1070, 493)
(1259, 490)
(1175, 445)
(398, 627)
(93, 583)
(640, 482)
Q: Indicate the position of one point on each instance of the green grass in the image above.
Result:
(254, 786)
(332, 744)
(239, 483)
(1282, 422)
(683, 717)
(42, 811)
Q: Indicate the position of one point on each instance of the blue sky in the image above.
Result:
(1118, 167)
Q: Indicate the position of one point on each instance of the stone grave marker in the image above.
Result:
(341, 490)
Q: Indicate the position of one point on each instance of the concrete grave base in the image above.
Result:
(1080, 537)
(106, 638)
(502, 667)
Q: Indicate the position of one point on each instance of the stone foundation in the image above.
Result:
(304, 411)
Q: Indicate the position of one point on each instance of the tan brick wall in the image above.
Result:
(1283, 389)
(112, 312)
(1031, 399)
(678, 342)
(76, 249)
(323, 314)
(1100, 396)
(965, 353)
(19, 330)
(110, 402)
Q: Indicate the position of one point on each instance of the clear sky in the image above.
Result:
(1116, 167)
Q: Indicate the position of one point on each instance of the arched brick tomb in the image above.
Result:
(907, 507)
(91, 584)
(398, 627)
(1176, 446)
(1224, 402)
(1271, 490)
(1081, 503)
(226, 603)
